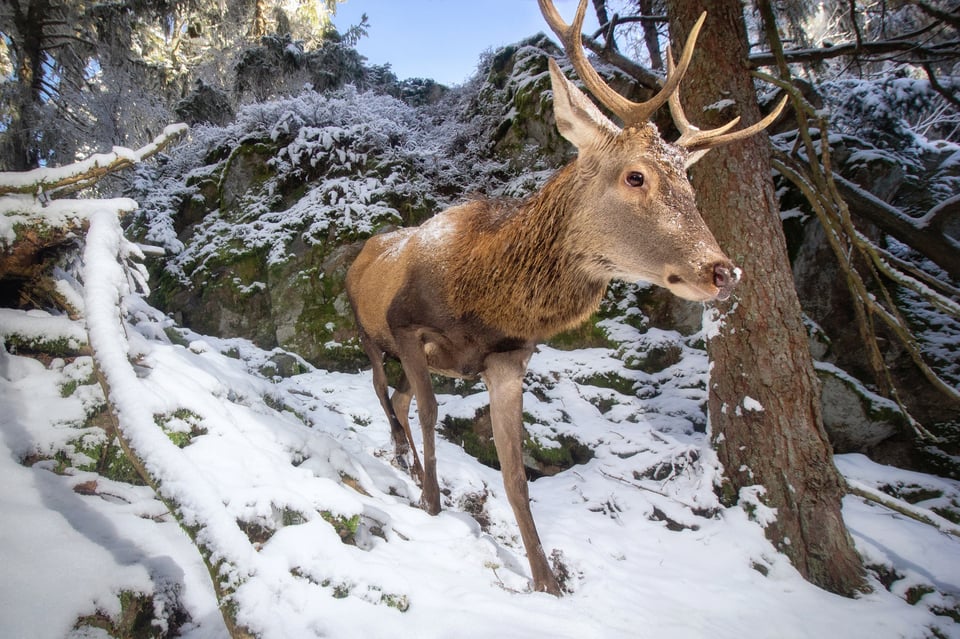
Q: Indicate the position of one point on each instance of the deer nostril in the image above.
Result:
(674, 279)
(724, 276)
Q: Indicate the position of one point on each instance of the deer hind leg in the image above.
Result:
(503, 376)
(414, 363)
(403, 441)
(400, 430)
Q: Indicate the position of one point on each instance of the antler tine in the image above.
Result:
(693, 139)
(717, 137)
(570, 39)
(690, 135)
(675, 74)
(631, 113)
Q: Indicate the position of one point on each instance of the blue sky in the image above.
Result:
(443, 39)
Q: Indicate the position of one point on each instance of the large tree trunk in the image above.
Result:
(22, 152)
(764, 402)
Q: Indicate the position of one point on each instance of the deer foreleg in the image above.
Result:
(503, 376)
(414, 363)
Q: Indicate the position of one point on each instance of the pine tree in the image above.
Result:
(81, 76)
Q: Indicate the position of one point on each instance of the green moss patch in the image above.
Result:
(181, 426)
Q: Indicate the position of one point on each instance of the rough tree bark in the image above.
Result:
(760, 352)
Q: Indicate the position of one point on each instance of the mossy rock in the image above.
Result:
(309, 306)
(45, 344)
(656, 358)
(136, 619)
(541, 458)
(474, 434)
(198, 204)
(666, 311)
(564, 453)
(516, 93)
(228, 298)
(610, 380)
(245, 171)
(587, 335)
(855, 420)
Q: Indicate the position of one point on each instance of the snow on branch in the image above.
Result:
(194, 503)
(17, 211)
(82, 174)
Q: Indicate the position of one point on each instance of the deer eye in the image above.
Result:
(634, 179)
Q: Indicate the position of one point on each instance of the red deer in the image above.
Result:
(471, 291)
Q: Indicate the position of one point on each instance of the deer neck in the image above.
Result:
(518, 268)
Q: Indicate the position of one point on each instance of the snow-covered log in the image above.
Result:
(196, 506)
(37, 226)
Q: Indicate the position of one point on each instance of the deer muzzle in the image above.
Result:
(725, 277)
(712, 281)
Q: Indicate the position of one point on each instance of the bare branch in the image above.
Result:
(618, 20)
(600, 6)
(904, 508)
(855, 24)
(933, 51)
(889, 219)
(949, 17)
(651, 36)
(944, 92)
(642, 75)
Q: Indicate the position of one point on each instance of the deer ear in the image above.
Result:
(578, 119)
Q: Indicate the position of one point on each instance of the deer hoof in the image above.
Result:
(549, 586)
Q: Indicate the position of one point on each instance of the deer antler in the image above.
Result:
(699, 141)
(631, 113)
(696, 141)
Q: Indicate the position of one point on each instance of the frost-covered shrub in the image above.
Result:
(344, 163)
(903, 121)
(892, 109)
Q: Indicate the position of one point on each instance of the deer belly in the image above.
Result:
(444, 358)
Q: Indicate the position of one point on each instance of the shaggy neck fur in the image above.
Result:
(517, 269)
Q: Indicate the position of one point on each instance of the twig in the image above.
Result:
(922, 515)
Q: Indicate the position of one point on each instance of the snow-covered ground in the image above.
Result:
(330, 541)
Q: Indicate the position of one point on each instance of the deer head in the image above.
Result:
(638, 207)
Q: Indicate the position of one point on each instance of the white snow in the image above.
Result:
(19, 209)
(287, 457)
